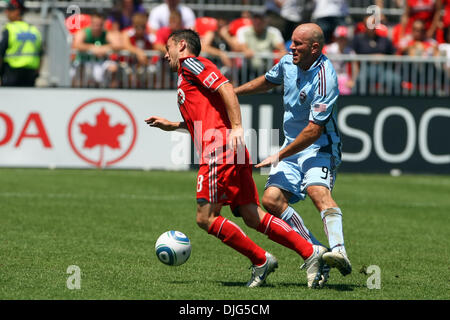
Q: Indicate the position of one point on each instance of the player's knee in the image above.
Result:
(272, 203)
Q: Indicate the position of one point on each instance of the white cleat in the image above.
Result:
(259, 274)
(338, 260)
(314, 266)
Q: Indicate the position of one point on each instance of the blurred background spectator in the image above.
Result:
(159, 15)
(214, 43)
(20, 48)
(163, 33)
(444, 48)
(429, 11)
(329, 14)
(122, 14)
(418, 43)
(371, 42)
(346, 71)
(285, 15)
(94, 45)
(260, 38)
(136, 39)
(374, 74)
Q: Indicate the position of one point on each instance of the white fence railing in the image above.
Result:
(366, 74)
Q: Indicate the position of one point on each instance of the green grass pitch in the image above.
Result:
(106, 222)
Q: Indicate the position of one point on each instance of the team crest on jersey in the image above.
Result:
(181, 97)
(302, 96)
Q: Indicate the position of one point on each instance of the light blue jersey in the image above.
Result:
(308, 96)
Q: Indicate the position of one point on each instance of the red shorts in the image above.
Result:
(228, 184)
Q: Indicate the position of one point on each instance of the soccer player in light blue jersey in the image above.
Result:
(307, 162)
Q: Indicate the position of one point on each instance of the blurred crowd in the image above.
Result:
(423, 31)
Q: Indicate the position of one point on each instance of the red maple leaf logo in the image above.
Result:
(102, 133)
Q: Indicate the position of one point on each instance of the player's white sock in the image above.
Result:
(332, 222)
(292, 218)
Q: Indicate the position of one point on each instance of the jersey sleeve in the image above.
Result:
(325, 96)
(204, 73)
(275, 75)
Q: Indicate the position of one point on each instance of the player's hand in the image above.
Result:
(161, 123)
(272, 160)
(236, 139)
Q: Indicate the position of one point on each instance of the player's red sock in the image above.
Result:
(280, 232)
(233, 236)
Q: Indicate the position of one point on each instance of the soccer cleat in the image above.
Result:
(338, 260)
(259, 274)
(314, 266)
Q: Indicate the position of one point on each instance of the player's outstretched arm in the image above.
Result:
(164, 124)
(258, 85)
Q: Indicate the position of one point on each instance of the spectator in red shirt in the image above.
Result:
(429, 11)
(418, 43)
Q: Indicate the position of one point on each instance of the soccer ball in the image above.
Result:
(173, 248)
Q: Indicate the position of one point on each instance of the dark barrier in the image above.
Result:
(380, 133)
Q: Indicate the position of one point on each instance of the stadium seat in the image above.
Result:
(205, 24)
(71, 22)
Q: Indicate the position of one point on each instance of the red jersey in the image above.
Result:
(421, 10)
(201, 105)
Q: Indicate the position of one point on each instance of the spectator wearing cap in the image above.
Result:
(159, 15)
(260, 38)
(20, 48)
(346, 71)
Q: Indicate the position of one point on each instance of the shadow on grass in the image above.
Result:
(328, 286)
(241, 284)
(335, 287)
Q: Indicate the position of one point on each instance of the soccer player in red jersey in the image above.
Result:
(212, 115)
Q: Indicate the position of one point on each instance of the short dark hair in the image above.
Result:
(191, 37)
